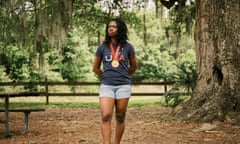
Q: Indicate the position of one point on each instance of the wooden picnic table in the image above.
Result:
(6, 110)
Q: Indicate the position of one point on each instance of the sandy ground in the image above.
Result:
(146, 125)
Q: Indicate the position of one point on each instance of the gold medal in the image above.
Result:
(115, 63)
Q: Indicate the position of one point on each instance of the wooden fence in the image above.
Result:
(46, 84)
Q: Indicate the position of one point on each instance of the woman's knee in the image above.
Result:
(106, 117)
(120, 117)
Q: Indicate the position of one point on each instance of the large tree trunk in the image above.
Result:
(217, 36)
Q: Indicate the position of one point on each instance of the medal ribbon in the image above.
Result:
(114, 54)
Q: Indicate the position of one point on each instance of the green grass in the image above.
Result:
(149, 101)
(134, 102)
(51, 105)
(73, 105)
(91, 102)
(24, 105)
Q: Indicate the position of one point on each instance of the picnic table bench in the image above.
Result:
(26, 111)
(26, 116)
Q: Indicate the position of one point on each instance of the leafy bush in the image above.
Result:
(3, 77)
(172, 98)
(185, 78)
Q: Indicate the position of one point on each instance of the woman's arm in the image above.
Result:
(133, 64)
(96, 66)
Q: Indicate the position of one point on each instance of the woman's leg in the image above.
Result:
(121, 108)
(106, 109)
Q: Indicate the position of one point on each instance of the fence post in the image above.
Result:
(46, 91)
(165, 87)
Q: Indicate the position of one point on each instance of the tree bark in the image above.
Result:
(217, 37)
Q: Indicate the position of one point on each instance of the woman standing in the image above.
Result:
(119, 63)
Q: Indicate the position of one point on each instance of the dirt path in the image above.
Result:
(144, 126)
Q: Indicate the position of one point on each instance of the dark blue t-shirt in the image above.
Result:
(119, 75)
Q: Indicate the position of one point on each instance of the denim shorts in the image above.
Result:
(115, 92)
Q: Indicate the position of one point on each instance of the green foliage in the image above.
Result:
(157, 61)
(77, 56)
(33, 77)
(89, 16)
(182, 19)
(72, 61)
(132, 20)
(16, 63)
(3, 76)
(172, 98)
(185, 78)
(152, 65)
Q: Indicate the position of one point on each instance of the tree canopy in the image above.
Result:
(56, 35)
